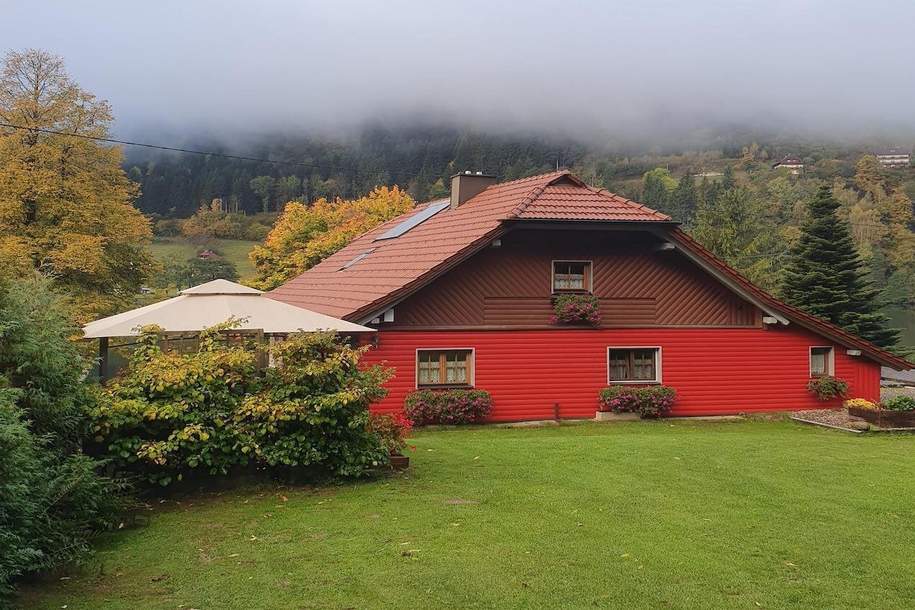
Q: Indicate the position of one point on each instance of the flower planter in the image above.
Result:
(885, 419)
(400, 462)
(611, 416)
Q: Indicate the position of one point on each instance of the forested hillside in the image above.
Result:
(731, 195)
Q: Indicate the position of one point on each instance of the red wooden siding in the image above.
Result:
(510, 286)
(715, 371)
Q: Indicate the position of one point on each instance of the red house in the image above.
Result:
(462, 290)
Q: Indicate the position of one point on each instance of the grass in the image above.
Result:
(673, 515)
(180, 249)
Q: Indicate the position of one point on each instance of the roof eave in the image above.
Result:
(785, 311)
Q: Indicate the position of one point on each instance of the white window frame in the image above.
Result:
(472, 371)
(830, 360)
(589, 289)
(657, 366)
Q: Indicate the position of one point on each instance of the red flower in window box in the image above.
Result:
(576, 309)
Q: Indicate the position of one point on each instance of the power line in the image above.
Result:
(176, 149)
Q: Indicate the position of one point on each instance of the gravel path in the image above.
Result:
(839, 417)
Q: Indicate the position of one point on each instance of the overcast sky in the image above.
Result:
(575, 67)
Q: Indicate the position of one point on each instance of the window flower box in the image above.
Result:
(576, 309)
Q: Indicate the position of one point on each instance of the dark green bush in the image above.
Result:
(172, 414)
(51, 497)
(426, 407)
(899, 403)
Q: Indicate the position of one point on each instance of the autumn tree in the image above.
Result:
(305, 235)
(65, 203)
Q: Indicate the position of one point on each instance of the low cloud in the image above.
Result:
(652, 70)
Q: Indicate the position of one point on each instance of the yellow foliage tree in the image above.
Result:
(65, 203)
(305, 235)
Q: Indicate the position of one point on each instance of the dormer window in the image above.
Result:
(571, 276)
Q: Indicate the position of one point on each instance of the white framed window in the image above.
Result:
(572, 276)
(822, 361)
(445, 367)
(634, 364)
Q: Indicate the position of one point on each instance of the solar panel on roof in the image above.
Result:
(423, 215)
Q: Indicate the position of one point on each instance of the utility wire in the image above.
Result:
(175, 149)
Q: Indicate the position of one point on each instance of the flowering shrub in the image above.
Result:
(899, 403)
(576, 309)
(656, 401)
(860, 403)
(619, 399)
(392, 429)
(649, 402)
(426, 407)
(169, 414)
(827, 387)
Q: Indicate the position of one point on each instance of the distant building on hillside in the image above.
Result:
(793, 164)
(893, 157)
(709, 174)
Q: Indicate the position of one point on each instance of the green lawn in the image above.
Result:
(657, 515)
(180, 249)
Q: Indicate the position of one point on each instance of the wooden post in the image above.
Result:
(261, 347)
(103, 358)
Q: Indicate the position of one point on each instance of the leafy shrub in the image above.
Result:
(619, 399)
(827, 387)
(426, 407)
(392, 428)
(649, 401)
(860, 403)
(575, 309)
(167, 227)
(170, 414)
(899, 403)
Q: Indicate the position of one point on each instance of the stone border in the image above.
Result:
(825, 425)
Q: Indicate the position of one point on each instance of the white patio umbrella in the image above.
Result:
(210, 304)
(214, 302)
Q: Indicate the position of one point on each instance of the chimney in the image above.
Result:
(466, 185)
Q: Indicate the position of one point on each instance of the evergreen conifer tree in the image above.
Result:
(825, 276)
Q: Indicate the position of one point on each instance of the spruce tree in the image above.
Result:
(826, 277)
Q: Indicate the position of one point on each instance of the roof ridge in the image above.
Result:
(537, 191)
(555, 174)
(631, 202)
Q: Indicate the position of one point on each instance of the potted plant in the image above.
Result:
(576, 309)
(827, 387)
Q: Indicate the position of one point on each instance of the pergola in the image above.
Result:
(209, 304)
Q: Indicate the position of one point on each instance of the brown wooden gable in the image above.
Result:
(637, 284)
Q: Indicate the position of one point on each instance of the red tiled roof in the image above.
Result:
(398, 265)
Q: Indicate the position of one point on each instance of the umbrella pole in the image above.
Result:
(103, 358)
